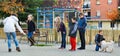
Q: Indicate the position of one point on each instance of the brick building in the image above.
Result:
(97, 10)
(100, 8)
(119, 4)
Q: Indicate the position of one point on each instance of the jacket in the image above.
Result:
(62, 28)
(31, 26)
(10, 23)
(73, 29)
(82, 23)
(99, 38)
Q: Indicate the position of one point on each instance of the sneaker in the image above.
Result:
(61, 48)
(72, 50)
(81, 48)
(9, 50)
(18, 49)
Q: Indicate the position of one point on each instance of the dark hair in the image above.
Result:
(14, 14)
(81, 14)
(100, 31)
(74, 18)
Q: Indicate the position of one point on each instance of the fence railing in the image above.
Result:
(55, 37)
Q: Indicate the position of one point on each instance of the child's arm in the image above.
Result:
(96, 37)
(75, 28)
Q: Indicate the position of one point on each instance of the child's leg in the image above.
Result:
(97, 48)
(71, 43)
(64, 40)
(63, 44)
(74, 43)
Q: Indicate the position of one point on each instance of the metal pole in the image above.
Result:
(53, 18)
(44, 21)
(37, 17)
(63, 15)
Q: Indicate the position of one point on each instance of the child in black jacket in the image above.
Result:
(31, 29)
(62, 29)
(98, 38)
(72, 34)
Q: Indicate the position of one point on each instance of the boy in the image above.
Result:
(72, 34)
(98, 38)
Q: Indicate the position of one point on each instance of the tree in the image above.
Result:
(11, 6)
(112, 14)
(31, 8)
(69, 4)
(23, 7)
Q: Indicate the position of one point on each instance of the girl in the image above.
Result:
(31, 29)
(62, 28)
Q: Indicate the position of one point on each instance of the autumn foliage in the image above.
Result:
(11, 6)
(113, 14)
(69, 4)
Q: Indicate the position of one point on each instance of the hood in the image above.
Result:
(15, 18)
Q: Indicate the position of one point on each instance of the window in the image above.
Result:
(119, 3)
(98, 13)
(100, 24)
(109, 1)
(112, 25)
(97, 2)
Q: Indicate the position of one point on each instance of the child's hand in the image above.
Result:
(99, 44)
(24, 33)
(63, 32)
(34, 32)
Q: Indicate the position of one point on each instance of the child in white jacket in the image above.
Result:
(10, 30)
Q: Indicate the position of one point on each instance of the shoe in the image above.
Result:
(9, 50)
(32, 45)
(61, 48)
(31, 42)
(72, 50)
(18, 49)
(32, 38)
(81, 48)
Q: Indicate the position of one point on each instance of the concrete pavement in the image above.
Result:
(26, 50)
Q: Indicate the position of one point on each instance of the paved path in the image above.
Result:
(53, 51)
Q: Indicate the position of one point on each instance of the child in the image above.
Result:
(119, 41)
(10, 30)
(72, 34)
(62, 28)
(98, 38)
(31, 29)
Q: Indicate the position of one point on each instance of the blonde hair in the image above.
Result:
(30, 15)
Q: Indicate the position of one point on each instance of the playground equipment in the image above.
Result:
(46, 15)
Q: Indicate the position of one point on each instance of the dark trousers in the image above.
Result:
(97, 47)
(63, 43)
(82, 38)
(73, 43)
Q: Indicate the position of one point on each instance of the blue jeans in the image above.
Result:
(13, 34)
(63, 44)
(30, 34)
(97, 47)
